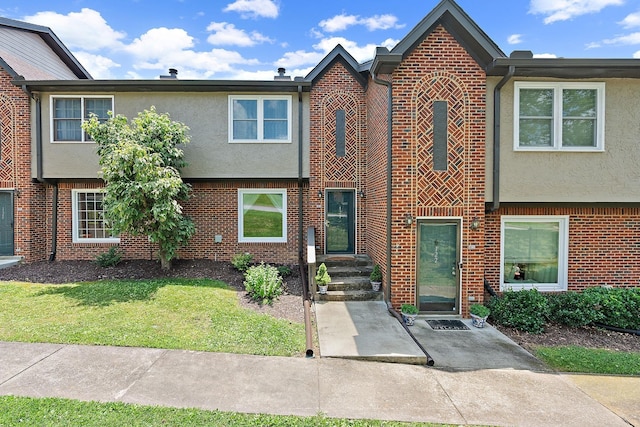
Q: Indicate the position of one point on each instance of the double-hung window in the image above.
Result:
(559, 116)
(534, 252)
(262, 215)
(260, 118)
(89, 222)
(68, 113)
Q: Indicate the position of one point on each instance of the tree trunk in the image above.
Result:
(165, 263)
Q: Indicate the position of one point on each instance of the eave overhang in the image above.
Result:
(566, 68)
(163, 85)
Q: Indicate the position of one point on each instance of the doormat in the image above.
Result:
(447, 325)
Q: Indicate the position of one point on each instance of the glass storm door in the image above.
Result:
(6, 223)
(438, 271)
(340, 221)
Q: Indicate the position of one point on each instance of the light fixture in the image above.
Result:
(361, 194)
(408, 219)
(475, 223)
(320, 194)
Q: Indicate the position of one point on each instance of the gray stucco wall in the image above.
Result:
(209, 153)
(583, 177)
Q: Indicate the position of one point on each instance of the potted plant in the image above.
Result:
(323, 278)
(479, 314)
(376, 278)
(409, 313)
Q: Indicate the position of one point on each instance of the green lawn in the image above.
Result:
(191, 314)
(25, 411)
(587, 360)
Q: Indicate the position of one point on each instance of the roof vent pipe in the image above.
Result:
(281, 75)
(173, 74)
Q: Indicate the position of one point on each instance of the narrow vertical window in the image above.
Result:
(440, 135)
(340, 133)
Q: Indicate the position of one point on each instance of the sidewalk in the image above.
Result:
(299, 386)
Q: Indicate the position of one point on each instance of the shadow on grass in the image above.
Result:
(107, 292)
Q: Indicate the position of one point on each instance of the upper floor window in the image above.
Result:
(559, 116)
(68, 113)
(89, 222)
(260, 118)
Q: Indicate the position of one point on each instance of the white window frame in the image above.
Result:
(83, 138)
(260, 103)
(563, 253)
(76, 219)
(278, 239)
(557, 88)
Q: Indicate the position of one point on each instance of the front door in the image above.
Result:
(6, 223)
(438, 268)
(340, 221)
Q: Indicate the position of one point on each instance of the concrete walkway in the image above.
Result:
(299, 386)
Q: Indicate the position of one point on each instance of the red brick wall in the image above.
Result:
(437, 69)
(15, 171)
(337, 89)
(604, 244)
(214, 209)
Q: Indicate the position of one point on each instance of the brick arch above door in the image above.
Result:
(447, 188)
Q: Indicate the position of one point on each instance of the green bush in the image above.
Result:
(619, 307)
(111, 258)
(526, 310)
(572, 309)
(284, 270)
(263, 282)
(241, 262)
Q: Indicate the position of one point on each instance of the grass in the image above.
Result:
(190, 314)
(594, 361)
(262, 224)
(26, 411)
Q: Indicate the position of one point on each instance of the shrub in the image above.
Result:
(525, 310)
(376, 274)
(241, 262)
(284, 270)
(619, 307)
(263, 283)
(479, 310)
(572, 309)
(322, 276)
(110, 258)
(408, 309)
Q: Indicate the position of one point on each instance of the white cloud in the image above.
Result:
(160, 42)
(299, 57)
(372, 23)
(637, 55)
(631, 21)
(254, 8)
(563, 10)
(227, 34)
(629, 39)
(98, 66)
(72, 29)
(545, 55)
(514, 39)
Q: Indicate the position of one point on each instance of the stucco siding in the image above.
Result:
(209, 154)
(609, 176)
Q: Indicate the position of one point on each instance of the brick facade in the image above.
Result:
(30, 222)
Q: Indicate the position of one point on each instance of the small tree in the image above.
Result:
(141, 164)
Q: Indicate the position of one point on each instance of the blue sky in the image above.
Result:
(250, 39)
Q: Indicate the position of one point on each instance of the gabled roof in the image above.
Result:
(338, 53)
(455, 20)
(33, 51)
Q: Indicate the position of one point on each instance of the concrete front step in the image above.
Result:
(353, 295)
(351, 283)
(349, 271)
(343, 260)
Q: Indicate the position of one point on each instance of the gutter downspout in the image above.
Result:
(306, 300)
(496, 137)
(375, 79)
(40, 173)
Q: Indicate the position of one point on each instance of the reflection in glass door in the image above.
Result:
(6, 223)
(438, 272)
(340, 221)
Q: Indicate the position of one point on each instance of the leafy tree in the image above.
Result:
(141, 164)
